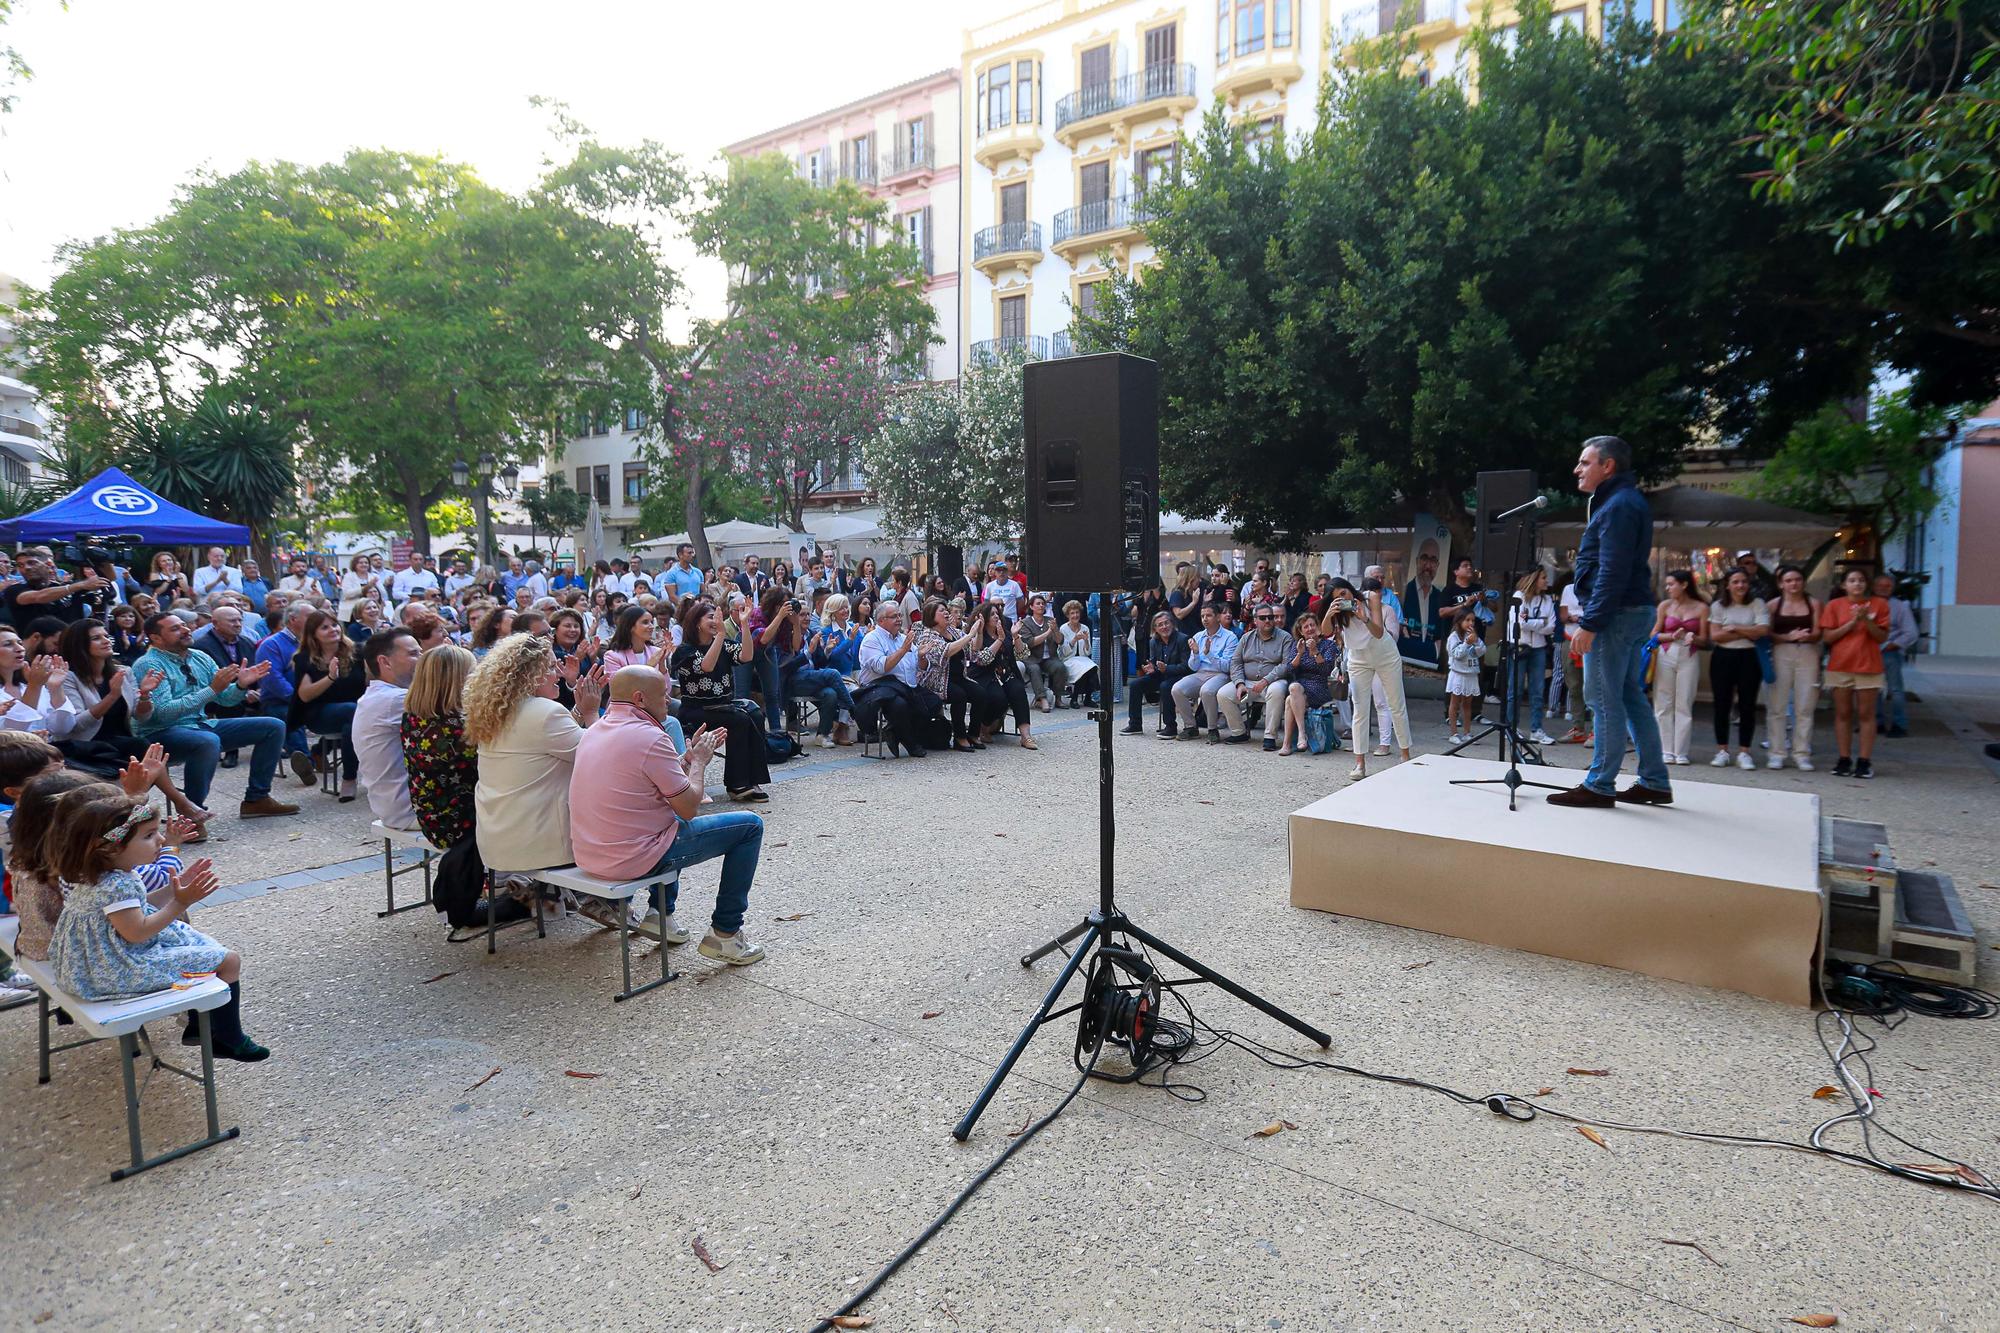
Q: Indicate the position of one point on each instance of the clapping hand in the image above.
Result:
(567, 668)
(224, 677)
(117, 684)
(133, 780)
(180, 829)
(590, 689)
(194, 883)
(250, 675)
(150, 682)
(43, 668)
(702, 747)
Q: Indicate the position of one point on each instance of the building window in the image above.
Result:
(1259, 135)
(1013, 317)
(916, 226)
(1086, 299)
(1281, 23)
(583, 481)
(15, 471)
(1162, 45)
(999, 96)
(1024, 92)
(635, 419)
(815, 166)
(600, 483)
(857, 159)
(579, 423)
(1671, 19)
(1097, 70)
(635, 483)
(600, 423)
(1573, 18)
(1222, 32)
(1156, 165)
(1249, 26)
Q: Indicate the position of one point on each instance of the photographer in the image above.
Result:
(45, 590)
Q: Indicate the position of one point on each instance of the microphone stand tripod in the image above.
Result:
(1512, 744)
(1104, 928)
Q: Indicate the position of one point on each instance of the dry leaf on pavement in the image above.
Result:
(707, 1259)
(1543, 1092)
(1816, 1320)
(796, 916)
(1826, 1091)
(578, 1073)
(1275, 1127)
(851, 1321)
(439, 977)
(932, 1014)
(1587, 1073)
(489, 1074)
(1411, 967)
(1593, 1136)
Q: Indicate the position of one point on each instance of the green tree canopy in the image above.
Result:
(1874, 468)
(948, 460)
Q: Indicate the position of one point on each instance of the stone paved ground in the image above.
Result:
(794, 1116)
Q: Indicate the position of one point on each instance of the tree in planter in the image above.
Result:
(1873, 471)
(820, 267)
(948, 460)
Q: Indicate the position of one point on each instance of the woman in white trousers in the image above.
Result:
(1368, 630)
(1795, 648)
(1681, 626)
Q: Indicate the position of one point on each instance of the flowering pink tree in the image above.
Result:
(789, 420)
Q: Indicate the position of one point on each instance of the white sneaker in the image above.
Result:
(1382, 751)
(15, 994)
(1777, 761)
(1721, 759)
(826, 742)
(675, 933)
(736, 950)
(1540, 737)
(1745, 762)
(1805, 765)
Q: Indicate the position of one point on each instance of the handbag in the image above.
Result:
(1321, 734)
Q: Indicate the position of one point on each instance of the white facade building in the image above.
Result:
(24, 426)
(1073, 107)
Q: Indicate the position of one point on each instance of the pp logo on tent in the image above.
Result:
(124, 501)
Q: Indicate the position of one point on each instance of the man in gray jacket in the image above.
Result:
(1258, 671)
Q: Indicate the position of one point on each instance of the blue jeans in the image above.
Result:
(827, 688)
(736, 837)
(295, 739)
(1891, 709)
(761, 673)
(1614, 682)
(1529, 666)
(200, 746)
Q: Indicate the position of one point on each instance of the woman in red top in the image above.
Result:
(1854, 626)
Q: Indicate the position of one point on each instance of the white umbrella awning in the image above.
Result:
(736, 533)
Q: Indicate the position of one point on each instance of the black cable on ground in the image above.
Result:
(924, 1237)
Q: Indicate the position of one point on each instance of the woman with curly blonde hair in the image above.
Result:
(526, 743)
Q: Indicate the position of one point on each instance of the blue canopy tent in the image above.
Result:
(113, 503)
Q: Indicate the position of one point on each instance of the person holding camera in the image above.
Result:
(45, 590)
(1368, 632)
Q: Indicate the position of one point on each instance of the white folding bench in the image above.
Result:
(576, 881)
(393, 838)
(126, 1020)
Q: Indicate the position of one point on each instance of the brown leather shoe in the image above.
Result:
(1638, 795)
(264, 807)
(1583, 798)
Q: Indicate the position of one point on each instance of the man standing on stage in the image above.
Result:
(1614, 583)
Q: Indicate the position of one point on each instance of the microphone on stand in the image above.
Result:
(1539, 502)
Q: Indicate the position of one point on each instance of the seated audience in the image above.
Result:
(1163, 660)
(1208, 672)
(904, 714)
(389, 659)
(634, 811)
(96, 731)
(526, 743)
(705, 681)
(168, 691)
(993, 669)
(1258, 670)
(1313, 661)
(328, 682)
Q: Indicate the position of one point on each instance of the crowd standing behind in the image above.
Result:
(460, 699)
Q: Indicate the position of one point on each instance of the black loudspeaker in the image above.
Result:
(1497, 547)
(1093, 513)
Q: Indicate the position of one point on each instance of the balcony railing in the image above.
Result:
(903, 160)
(1103, 215)
(1061, 345)
(1009, 238)
(1379, 19)
(20, 426)
(1030, 346)
(1151, 84)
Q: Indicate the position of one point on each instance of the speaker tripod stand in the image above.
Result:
(1107, 926)
(1512, 744)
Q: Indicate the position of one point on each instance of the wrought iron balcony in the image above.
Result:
(903, 161)
(14, 425)
(1154, 83)
(1009, 238)
(1101, 218)
(1028, 346)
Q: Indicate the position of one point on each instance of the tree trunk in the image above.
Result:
(691, 512)
(414, 505)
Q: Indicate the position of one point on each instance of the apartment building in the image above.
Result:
(24, 426)
(1073, 107)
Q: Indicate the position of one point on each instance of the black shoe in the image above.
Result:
(302, 768)
(229, 760)
(1214, 736)
(1270, 744)
(1845, 768)
(1131, 731)
(1864, 768)
(1897, 733)
(915, 751)
(242, 1049)
(1642, 795)
(1237, 739)
(1167, 733)
(1583, 798)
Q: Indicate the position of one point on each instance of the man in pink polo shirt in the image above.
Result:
(632, 813)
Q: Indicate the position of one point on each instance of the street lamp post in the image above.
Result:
(482, 495)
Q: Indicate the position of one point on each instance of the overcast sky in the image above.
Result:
(130, 96)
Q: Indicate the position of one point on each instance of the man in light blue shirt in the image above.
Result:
(1209, 655)
(682, 576)
(178, 684)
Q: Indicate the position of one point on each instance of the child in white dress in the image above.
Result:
(1461, 686)
(114, 938)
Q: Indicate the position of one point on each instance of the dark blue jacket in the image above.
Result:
(1612, 570)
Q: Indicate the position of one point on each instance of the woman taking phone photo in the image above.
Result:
(1367, 633)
